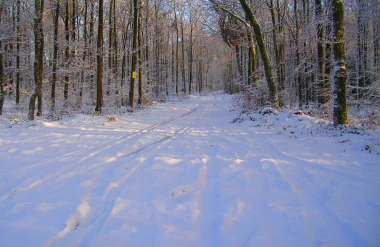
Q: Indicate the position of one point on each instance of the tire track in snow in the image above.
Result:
(211, 218)
(330, 170)
(119, 156)
(114, 189)
(92, 229)
(110, 195)
(104, 147)
(314, 210)
(118, 139)
(280, 183)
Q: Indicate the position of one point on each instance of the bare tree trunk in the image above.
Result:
(18, 3)
(2, 94)
(276, 51)
(340, 68)
(84, 53)
(176, 51)
(110, 48)
(110, 39)
(328, 60)
(191, 57)
(134, 54)
(183, 57)
(67, 54)
(200, 73)
(165, 62)
(38, 59)
(264, 55)
(73, 26)
(91, 41)
(40, 63)
(55, 56)
(74, 38)
(157, 58)
(140, 55)
(239, 62)
(281, 51)
(115, 44)
(252, 67)
(172, 56)
(74, 44)
(376, 45)
(320, 52)
(147, 43)
(362, 49)
(124, 62)
(99, 61)
(298, 76)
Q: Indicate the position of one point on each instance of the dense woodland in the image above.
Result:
(91, 55)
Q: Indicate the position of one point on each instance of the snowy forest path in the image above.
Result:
(181, 174)
(102, 200)
(31, 183)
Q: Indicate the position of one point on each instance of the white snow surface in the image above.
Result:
(182, 174)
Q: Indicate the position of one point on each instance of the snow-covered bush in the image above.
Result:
(249, 99)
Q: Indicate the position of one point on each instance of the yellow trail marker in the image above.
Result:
(134, 74)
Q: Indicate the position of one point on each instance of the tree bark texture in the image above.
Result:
(320, 52)
(340, 111)
(273, 95)
(140, 55)
(55, 56)
(18, 3)
(99, 61)
(134, 54)
(38, 59)
(2, 96)
(67, 54)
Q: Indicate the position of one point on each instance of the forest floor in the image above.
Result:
(182, 174)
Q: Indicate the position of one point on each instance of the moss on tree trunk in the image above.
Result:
(264, 54)
(340, 113)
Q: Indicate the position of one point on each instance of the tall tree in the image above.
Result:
(111, 45)
(73, 26)
(67, 53)
(134, 54)
(298, 65)
(55, 55)
(376, 43)
(320, 51)
(84, 57)
(329, 57)
(38, 59)
(91, 53)
(340, 112)
(176, 49)
(183, 56)
(140, 55)
(2, 94)
(276, 47)
(99, 61)
(191, 49)
(363, 78)
(281, 51)
(264, 54)
(18, 6)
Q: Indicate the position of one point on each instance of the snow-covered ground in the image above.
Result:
(181, 174)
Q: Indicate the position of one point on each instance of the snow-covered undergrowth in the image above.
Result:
(299, 125)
